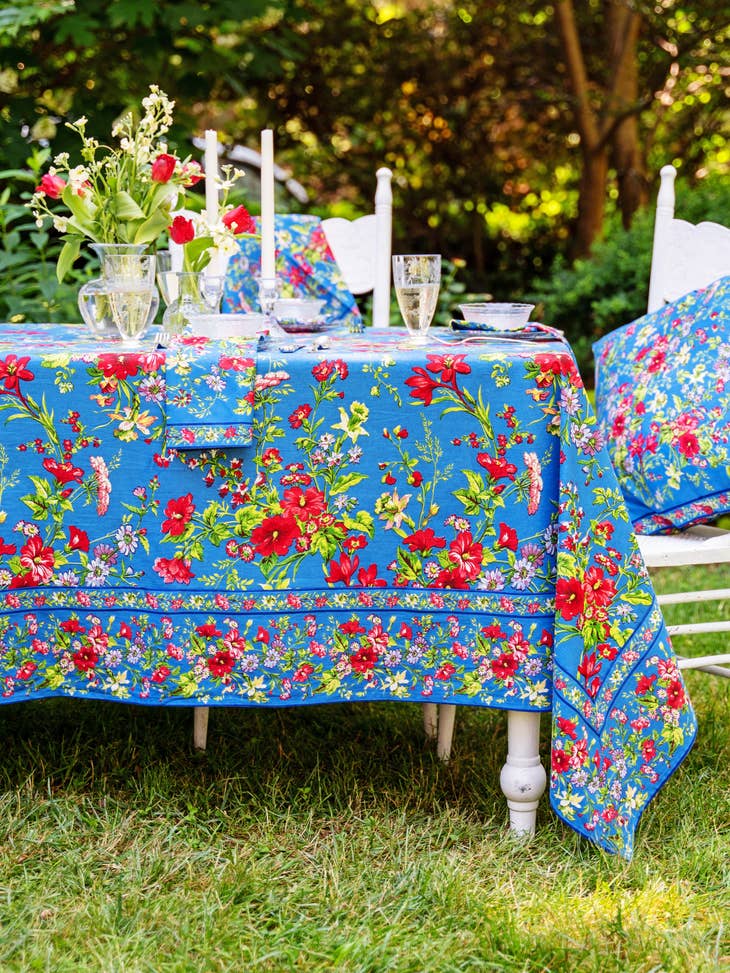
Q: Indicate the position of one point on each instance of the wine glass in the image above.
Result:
(417, 279)
(131, 280)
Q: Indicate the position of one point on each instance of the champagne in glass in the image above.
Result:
(417, 279)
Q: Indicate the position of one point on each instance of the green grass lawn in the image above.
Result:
(331, 838)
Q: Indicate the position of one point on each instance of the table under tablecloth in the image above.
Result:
(226, 523)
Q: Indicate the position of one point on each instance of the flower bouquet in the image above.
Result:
(122, 195)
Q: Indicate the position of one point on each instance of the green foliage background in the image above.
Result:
(467, 103)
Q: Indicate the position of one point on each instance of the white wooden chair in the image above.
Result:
(362, 249)
(685, 256)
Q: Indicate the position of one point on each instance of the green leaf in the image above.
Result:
(82, 209)
(151, 228)
(67, 256)
(125, 208)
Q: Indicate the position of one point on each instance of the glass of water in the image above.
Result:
(131, 279)
(417, 279)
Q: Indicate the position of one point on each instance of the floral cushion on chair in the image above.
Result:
(663, 405)
(305, 267)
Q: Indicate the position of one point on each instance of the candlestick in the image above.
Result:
(211, 194)
(268, 247)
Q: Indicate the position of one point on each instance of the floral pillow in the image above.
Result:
(305, 267)
(663, 405)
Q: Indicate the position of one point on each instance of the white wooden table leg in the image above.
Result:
(200, 727)
(523, 777)
(430, 720)
(447, 713)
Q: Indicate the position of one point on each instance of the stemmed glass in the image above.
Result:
(132, 288)
(417, 280)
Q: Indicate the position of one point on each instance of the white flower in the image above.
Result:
(60, 223)
(60, 160)
(77, 177)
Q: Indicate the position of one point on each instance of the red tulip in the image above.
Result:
(182, 230)
(52, 186)
(239, 220)
(163, 167)
(192, 173)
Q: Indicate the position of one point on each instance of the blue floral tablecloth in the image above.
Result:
(384, 522)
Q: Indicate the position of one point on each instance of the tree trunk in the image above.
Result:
(627, 157)
(591, 199)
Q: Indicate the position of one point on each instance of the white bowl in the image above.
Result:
(301, 309)
(501, 317)
(227, 325)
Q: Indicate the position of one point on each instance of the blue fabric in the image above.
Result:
(434, 523)
(663, 407)
(305, 267)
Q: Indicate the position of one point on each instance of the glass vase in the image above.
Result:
(95, 303)
(188, 294)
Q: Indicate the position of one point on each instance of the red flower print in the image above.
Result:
(163, 168)
(119, 366)
(569, 598)
(303, 672)
(568, 727)
(546, 639)
(323, 370)
(368, 577)
(342, 570)
(505, 666)
(448, 365)
(6, 548)
(221, 663)
(688, 445)
(351, 627)
(13, 372)
(405, 631)
(451, 578)
(304, 504)
(72, 626)
(422, 386)
(675, 694)
(209, 630)
(26, 670)
(299, 416)
(275, 535)
(174, 570)
(178, 515)
(497, 466)
(493, 632)
(161, 673)
(51, 186)
(507, 537)
(64, 472)
(239, 220)
(181, 230)
(86, 658)
(648, 750)
(364, 659)
(644, 684)
(589, 666)
(78, 540)
(37, 560)
(560, 760)
(466, 554)
(597, 588)
(445, 671)
(424, 541)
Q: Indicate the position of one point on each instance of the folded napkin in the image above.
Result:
(210, 392)
(304, 263)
